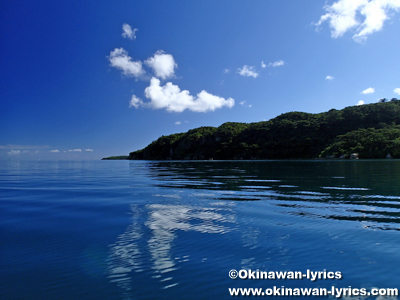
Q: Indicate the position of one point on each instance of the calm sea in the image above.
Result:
(174, 230)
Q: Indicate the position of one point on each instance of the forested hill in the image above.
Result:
(371, 130)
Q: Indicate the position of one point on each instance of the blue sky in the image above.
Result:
(89, 79)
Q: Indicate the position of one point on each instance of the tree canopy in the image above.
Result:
(371, 130)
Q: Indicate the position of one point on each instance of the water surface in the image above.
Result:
(173, 230)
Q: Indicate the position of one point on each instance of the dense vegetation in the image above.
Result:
(371, 130)
(369, 143)
(120, 157)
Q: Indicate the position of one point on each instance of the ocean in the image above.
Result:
(182, 229)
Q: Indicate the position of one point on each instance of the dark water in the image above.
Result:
(174, 230)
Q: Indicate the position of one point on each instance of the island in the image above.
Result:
(364, 131)
(120, 157)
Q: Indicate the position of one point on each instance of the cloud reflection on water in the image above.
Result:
(146, 245)
(167, 220)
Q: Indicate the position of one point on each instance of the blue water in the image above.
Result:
(174, 230)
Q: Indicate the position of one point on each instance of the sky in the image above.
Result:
(89, 79)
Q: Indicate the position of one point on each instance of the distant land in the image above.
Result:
(372, 131)
(120, 157)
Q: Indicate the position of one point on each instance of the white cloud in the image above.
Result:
(343, 16)
(368, 91)
(162, 64)
(397, 91)
(171, 98)
(128, 32)
(55, 151)
(263, 65)
(226, 71)
(242, 102)
(329, 77)
(135, 102)
(361, 102)
(278, 63)
(75, 150)
(119, 59)
(248, 71)
(178, 123)
(89, 150)
(250, 105)
(14, 152)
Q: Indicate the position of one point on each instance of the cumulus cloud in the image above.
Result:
(329, 77)
(226, 71)
(243, 102)
(368, 91)
(89, 150)
(178, 123)
(14, 152)
(361, 102)
(397, 91)
(263, 65)
(75, 150)
(128, 32)
(344, 15)
(55, 151)
(171, 98)
(120, 59)
(248, 71)
(278, 63)
(162, 64)
(135, 102)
